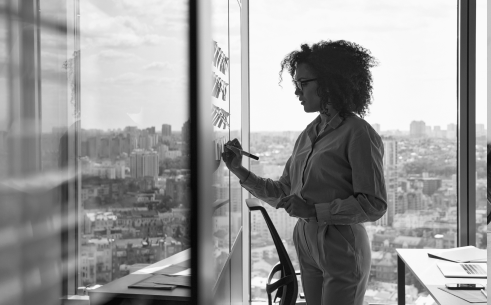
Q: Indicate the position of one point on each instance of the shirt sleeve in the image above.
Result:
(268, 190)
(369, 200)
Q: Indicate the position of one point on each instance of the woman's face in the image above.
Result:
(308, 96)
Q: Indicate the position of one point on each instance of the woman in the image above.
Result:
(333, 181)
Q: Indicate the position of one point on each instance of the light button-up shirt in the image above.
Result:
(339, 170)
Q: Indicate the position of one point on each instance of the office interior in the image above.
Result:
(110, 151)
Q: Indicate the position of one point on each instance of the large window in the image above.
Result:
(414, 110)
(134, 142)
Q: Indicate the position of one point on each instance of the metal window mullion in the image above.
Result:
(466, 132)
(245, 124)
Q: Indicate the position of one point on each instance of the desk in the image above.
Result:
(117, 291)
(429, 275)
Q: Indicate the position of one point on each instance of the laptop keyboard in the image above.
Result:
(473, 269)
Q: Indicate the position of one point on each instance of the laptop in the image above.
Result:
(472, 270)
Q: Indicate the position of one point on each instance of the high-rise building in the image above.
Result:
(133, 142)
(417, 129)
(93, 147)
(184, 132)
(115, 148)
(144, 163)
(166, 130)
(104, 148)
(125, 146)
(390, 176)
(130, 129)
(147, 141)
(84, 148)
(437, 132)
(154, 139)
(144, 142)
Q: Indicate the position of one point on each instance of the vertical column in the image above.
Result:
(246, 127)
(201, 152)
(466, 133)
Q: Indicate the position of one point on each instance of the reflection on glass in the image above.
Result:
(420, 152)
(222, 120)
(38, 124)
(481, 124)
(93, 135)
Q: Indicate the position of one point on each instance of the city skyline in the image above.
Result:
(177, 129)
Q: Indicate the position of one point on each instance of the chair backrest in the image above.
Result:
(287, 285)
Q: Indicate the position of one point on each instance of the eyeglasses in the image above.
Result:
(300, 83)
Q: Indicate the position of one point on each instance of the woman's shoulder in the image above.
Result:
(357, 125)
(355, 122)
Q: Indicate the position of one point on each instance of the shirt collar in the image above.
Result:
(334, 122)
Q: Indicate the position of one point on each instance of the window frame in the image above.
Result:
(246, 135)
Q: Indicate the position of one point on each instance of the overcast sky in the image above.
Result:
(134, 59)
(134, 63)
(414, 41)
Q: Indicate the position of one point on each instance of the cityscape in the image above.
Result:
(134, 195)
(420, 175)
(135, 200)
(120, 173)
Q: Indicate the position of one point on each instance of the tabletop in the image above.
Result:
(427, 272)
(118, 289)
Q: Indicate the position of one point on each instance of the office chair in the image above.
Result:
(287, 285)
(489, 210)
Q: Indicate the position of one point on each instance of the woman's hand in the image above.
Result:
(297, 207)
(232, 154)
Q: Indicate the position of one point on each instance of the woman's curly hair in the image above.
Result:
(343, 74)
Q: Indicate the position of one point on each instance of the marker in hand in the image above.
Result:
(244, 153)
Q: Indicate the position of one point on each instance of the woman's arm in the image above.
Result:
(268, 190)
(265, 189)
(242, 173)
